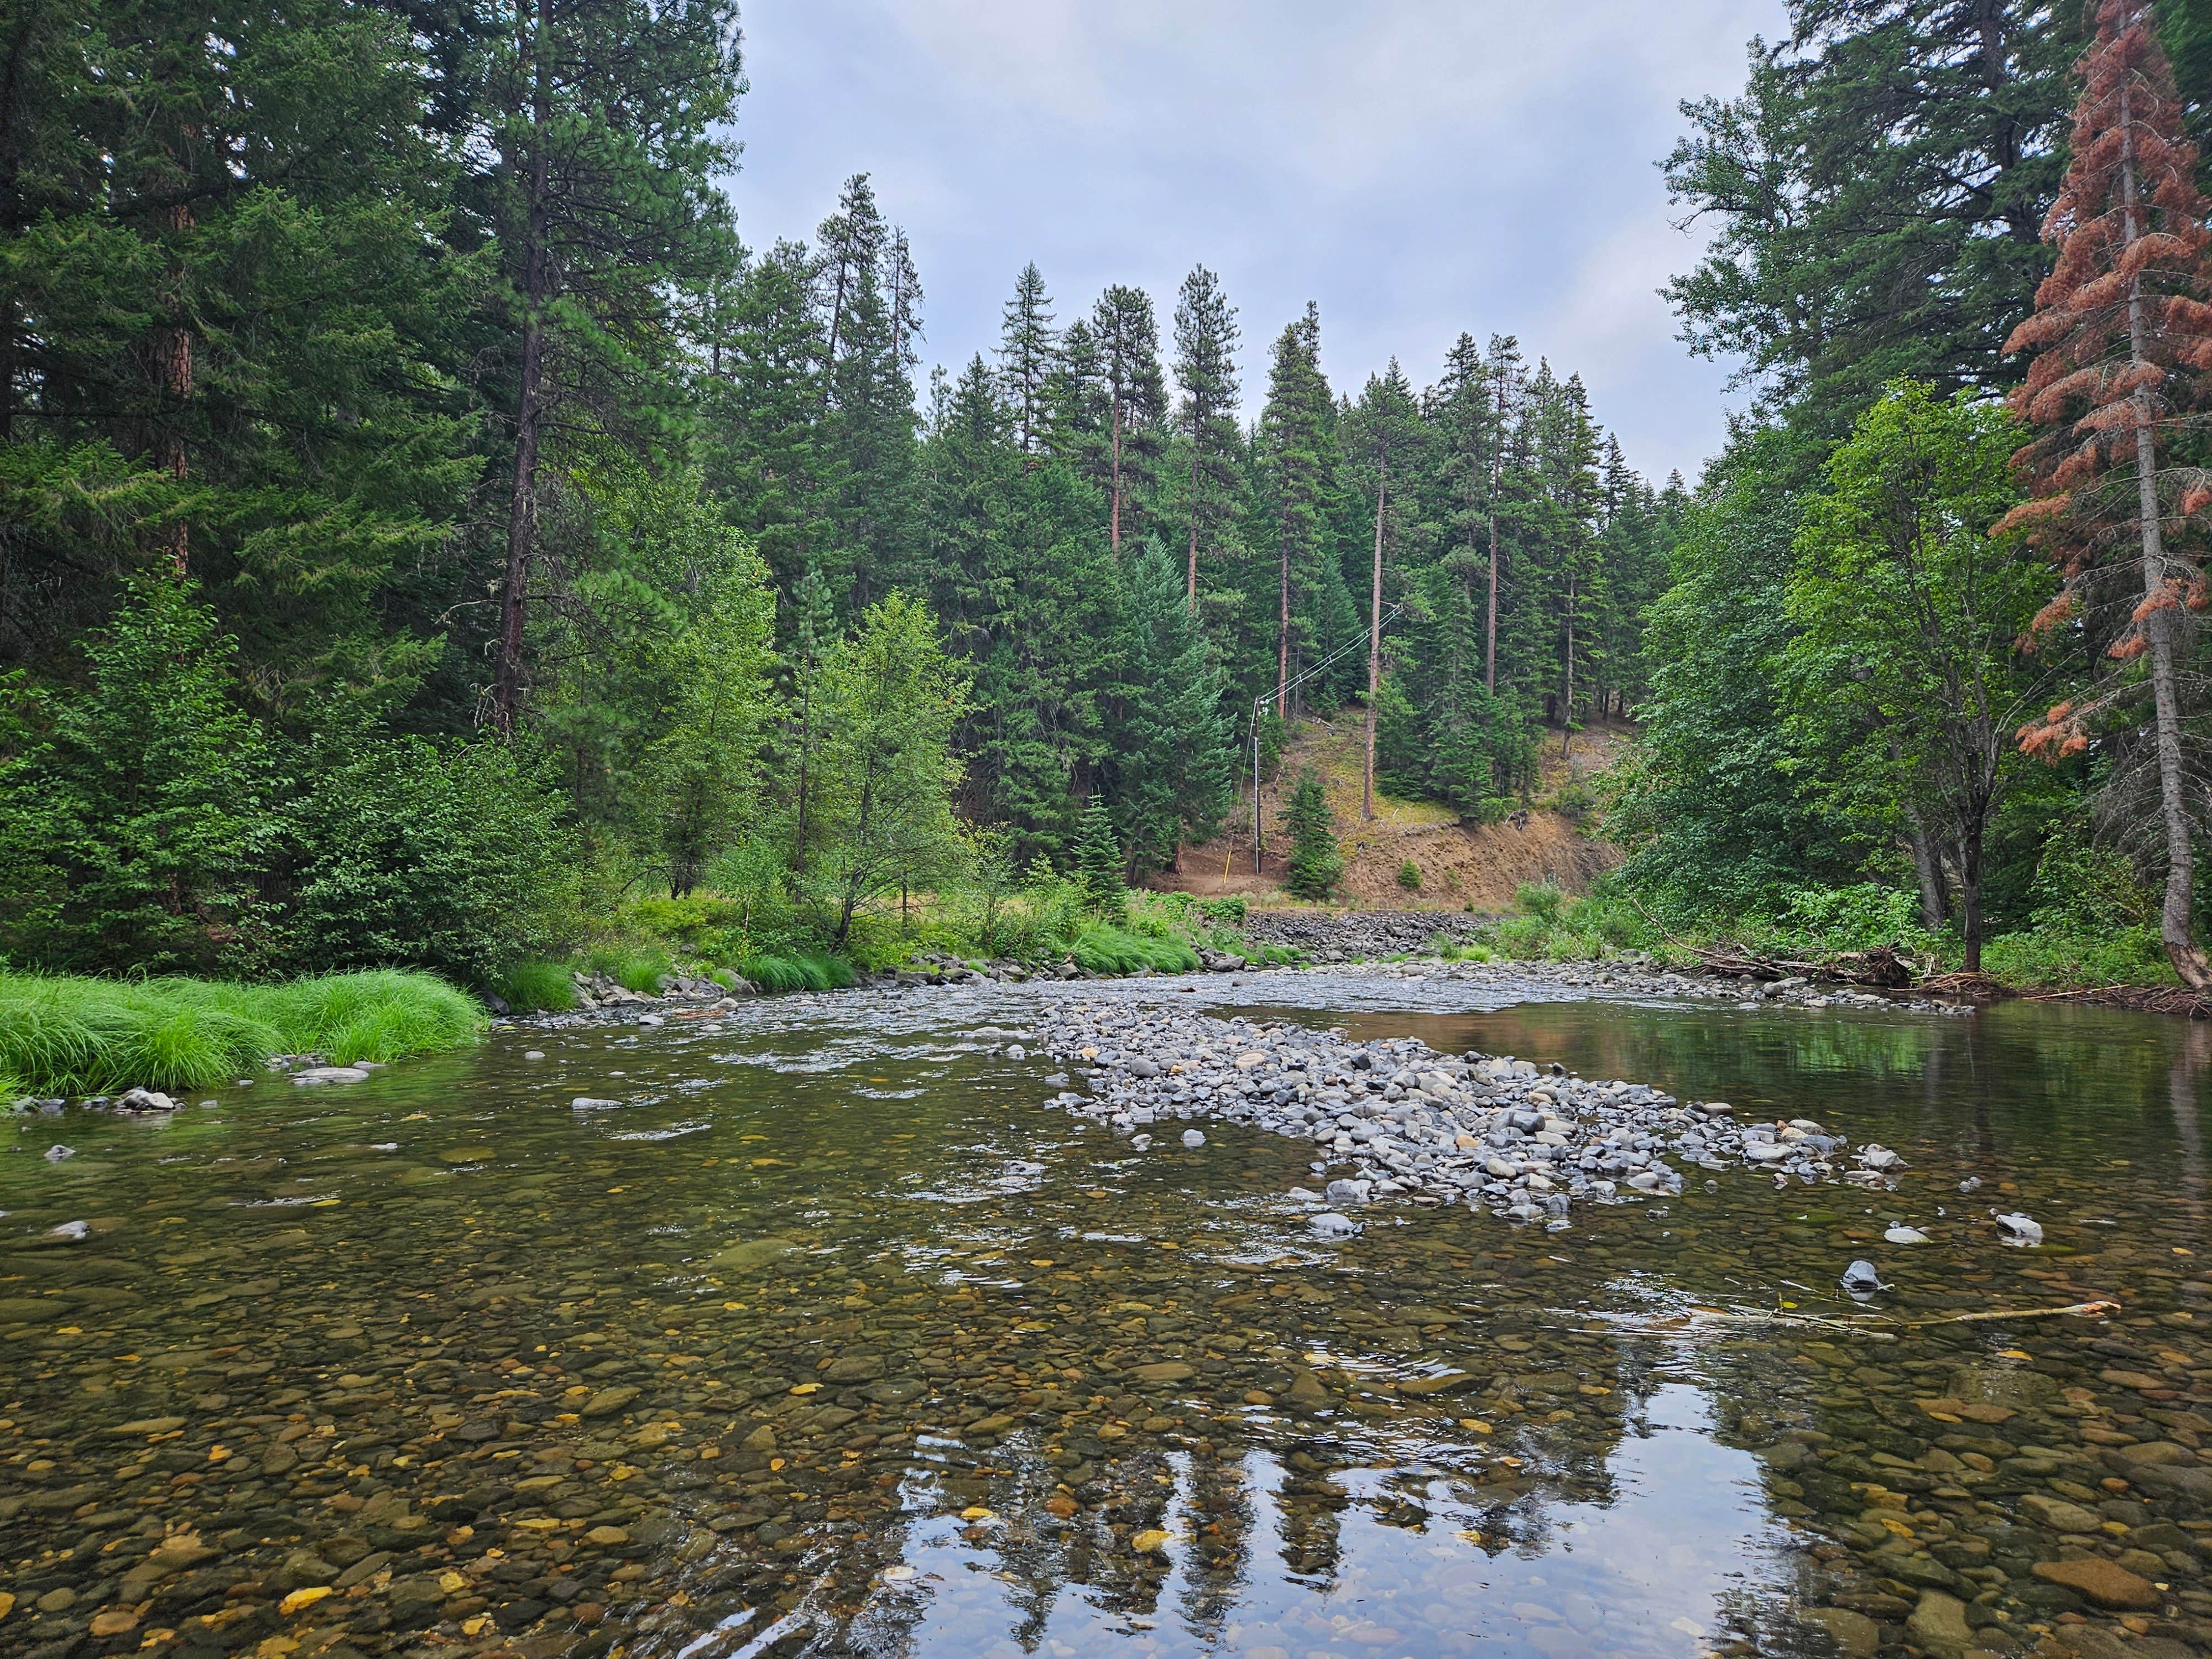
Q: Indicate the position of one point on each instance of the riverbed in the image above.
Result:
(823, 1331)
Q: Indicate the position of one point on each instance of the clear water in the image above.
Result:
(830, 1337)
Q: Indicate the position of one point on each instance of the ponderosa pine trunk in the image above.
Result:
(522, 510)
(2176, 924)
(1190, 575)
(1116, 532)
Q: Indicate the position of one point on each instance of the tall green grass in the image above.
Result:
(69, 1036)
(532, 986)
(796, 970)
(638, 969)
(1103, 949)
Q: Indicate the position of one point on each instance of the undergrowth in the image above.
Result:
(64, 1035)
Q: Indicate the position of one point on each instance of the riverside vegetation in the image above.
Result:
(385, 593)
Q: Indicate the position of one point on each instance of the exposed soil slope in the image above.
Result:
(1460, 864)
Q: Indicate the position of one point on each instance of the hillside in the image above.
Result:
(1461, 865)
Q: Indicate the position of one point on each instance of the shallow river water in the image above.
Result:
(825, 1335)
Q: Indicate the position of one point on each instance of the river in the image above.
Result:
(827, 1335)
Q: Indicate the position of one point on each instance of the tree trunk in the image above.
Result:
(1496, 483)
(1374, 646)
(1970, 891)
(1190, 576)
(522, 509)
(1935, 907)
(172, 354)
(1282, 635)
(2175, 923)
(1567, 702)
(1115, 532)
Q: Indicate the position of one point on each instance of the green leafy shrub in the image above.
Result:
(88, 1036)
(2073, 959)
(1409, 876)
(538, 986)
(1539, 899)
(452, 858)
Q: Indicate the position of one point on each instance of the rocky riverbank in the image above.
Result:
(1393, 1119)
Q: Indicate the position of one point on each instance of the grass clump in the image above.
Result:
(796, 970)
(533, 987)
(638, 968)
(1102, 948)
(72, 1036)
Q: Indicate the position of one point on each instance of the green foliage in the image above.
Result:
(635, 968)
(1714, 822)
(79, 1036)
(534, 987)
(2062, 958)
(879, 812)
(1848, 250)
(138, 810)
(146, 822)
(1409, 876)
(1316, 862)
(451, 857)
(795, 970)
(1902, 681)
(1171, 767)
(1099, 866)
(1103, 948)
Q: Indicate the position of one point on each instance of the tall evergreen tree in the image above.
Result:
(1384, 437)
(1129, 346)
(1027, 346)
(1205, 341)
(1879, 191)
(1170, 767)
(1293, 445)
(609, 120)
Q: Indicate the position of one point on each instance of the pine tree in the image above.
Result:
(1385, 435)
(1878, 190)
(1293, 441)
(608, 119)
(1099, 870)
(1128, 347)
(2122, 332)
(1205, 341)
(1317, 861)
(1027, 346)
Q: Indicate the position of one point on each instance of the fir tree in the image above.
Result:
(1171, 761)
(608, 119)
(1099, 869)
(2123, 334)
(1317, 861)
(1027, 346)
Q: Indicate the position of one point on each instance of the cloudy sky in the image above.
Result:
(1418, 167)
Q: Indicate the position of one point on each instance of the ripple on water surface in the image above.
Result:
(817, 1332)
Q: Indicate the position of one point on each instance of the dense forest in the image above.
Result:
(1930, 652)
(427, 525)
(425, 519)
